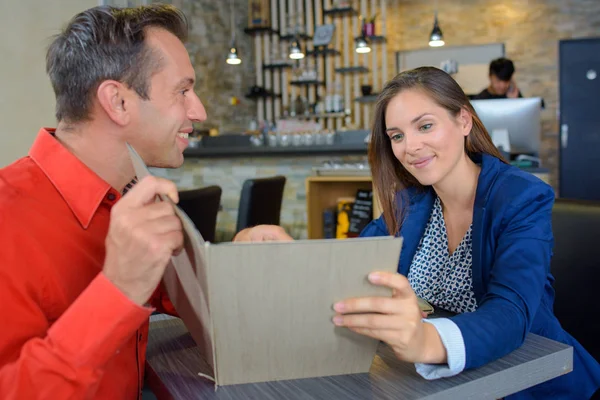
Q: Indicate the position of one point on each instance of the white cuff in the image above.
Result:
(455, 349)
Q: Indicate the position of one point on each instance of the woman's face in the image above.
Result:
(425, 138)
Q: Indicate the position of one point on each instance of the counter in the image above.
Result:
(228, 161)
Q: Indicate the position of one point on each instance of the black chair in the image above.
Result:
(576, 268)
(260, 202)
(202, 206)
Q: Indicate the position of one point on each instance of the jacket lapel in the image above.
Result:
(414, 226)
(419, 210)
(490, 167)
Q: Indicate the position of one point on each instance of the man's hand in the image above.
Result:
(142, 236)
(262, 233)
(395, 320)
(513, 90)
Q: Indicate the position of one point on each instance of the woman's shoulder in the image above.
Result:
(519, 199)
(513, 186)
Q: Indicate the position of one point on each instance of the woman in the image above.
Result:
(477, 240)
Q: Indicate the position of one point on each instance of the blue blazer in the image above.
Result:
(511, 248)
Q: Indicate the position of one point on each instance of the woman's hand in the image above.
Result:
(262, 233)
(395, 320)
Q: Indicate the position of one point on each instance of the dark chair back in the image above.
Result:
(576, 268)
(202, 206)
(260, 202)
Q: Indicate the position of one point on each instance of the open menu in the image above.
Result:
(262, 311)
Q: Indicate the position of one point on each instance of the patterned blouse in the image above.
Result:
(440, 278)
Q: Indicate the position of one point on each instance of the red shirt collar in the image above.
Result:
(79, 186)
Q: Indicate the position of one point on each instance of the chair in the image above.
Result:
(576, 268)
(260, 202)
(202, 206)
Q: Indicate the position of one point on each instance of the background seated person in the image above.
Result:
(502, 85)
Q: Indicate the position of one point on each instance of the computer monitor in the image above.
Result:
(521, 117)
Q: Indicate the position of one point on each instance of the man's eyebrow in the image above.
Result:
(185, 82)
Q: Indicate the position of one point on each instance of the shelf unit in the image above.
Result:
(372, 98)
(352, 70)
(338, 12)
(291, 36)
(261, 30)
(322, 193)
(306, 83)
(277, 66)
(373, 38)
(323, 52)
(337, 66)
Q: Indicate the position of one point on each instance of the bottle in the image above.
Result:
(338, 99)
(329, 106)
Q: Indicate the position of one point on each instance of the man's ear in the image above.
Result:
(465, 121)
(115, 100)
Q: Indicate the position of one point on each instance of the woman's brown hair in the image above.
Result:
(389, 176)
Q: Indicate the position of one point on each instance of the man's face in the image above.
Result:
(162, 123)
(499, 86)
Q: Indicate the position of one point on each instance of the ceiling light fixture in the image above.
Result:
(436, 39)
(362, 45)
(232, 57)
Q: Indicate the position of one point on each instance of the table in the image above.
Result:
(172, 356)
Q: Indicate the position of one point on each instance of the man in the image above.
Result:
(502, 85)
(80, 262)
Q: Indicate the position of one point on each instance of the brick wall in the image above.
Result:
(208, 44)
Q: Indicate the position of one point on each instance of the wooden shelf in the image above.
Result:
(339, 12)
(323, 52)
(264, 95)
(352, 70)
(261, 30)
(277, 66)
(367, 99)
(306, 83)
(372, 39)
(322, 193)
(292, 36)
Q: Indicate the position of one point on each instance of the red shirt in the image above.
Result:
(65, 330)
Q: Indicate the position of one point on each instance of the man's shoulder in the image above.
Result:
(485, 94)
(18, 181)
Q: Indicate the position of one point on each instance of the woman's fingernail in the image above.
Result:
(338, 320)
(374, 277)
(339, 307)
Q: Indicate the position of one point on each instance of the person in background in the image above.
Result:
(477, 241)
(84, 246)
(502, 84)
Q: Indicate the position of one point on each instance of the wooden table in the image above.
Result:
(172, 356)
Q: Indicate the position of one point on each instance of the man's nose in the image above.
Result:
(196, 111)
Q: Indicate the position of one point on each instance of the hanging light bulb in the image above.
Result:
(362, 45)
(295, 50)
(436, 39)
(232, 57)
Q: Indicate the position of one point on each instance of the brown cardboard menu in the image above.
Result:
(262, 311)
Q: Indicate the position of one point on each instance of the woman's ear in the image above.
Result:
(114, 99)
(465, 121)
